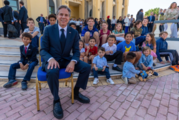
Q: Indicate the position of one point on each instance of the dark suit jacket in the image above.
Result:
(38, 19)
(51, 47)
(153, 18)
(140, 16)
(1, 13)
(23, 14)
(7, 13)
(16, 15)
(31, 55)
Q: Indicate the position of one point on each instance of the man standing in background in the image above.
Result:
(151, 19)
(41, 20)
(15, 15)
(113, 22)
(23, 16)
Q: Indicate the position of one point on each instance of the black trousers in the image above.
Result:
(17, 26)
(5, 28)
(53, 75)
(175, 56)
(150, 26)
(23, 26)
(117, 56)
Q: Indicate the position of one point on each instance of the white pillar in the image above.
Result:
(157, 30)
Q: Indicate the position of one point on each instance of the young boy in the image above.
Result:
(52, 19)
(91, 51)
(73, 25)
(112, 53)
(34, 31)
(129, 71)
(100, 64)
(28, 61)
(162, 49)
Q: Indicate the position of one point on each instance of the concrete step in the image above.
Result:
(9, 48)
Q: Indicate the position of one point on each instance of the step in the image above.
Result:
(114, 74)
(9, 48)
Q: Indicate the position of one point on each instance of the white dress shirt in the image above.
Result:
(110, 48)
(127, 22)
(113, 21)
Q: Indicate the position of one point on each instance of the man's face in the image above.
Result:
(151, 13)
(26, 40)
(52, 21)
(90, 22)
(41, 15)
(30, 24)
(131, 16)
(145, 22)
(63, 17)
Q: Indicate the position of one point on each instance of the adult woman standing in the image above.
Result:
(140, 15)
(104, 33)
(172, 14)
(120, 20)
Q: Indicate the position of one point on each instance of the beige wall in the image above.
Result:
(75, 11)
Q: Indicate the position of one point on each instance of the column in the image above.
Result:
(65, 2)
(109, 8)
(118, 8)
(96, 8)
(82, 10)
(126, 4)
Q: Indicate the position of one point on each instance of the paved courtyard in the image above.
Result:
(156, 99)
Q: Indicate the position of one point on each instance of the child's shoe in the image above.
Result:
(125, 80)
(155, 74)
(95, 81)
(110, 81)
(10, 83)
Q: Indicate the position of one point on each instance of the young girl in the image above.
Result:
(146, 60)
(82, 50)
(137, 29)
(118, 32)
(104, 33)
(151, 43)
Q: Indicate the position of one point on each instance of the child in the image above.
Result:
(162, 49)
(34, 31)
(28, 61)
(151, 43)
(91, 51)
(129, 71)
(100, 64)
(112, 53)
(146, 60)
(52, 19)
(119, 32)
(82, 50)
(73, 25)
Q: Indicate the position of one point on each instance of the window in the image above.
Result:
(14, 4)
(51, 7)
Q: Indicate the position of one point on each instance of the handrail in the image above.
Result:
(167, 21)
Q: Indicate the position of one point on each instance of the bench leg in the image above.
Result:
(72, 91)
(40, 86)
(66, 83)
(37, 95)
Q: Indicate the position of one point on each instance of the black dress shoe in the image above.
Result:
(57, 110)
(24, 85)
(117, 68)
(81, 98)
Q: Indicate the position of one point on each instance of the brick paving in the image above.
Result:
(156, 99)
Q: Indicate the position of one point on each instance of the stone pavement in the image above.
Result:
(156, 99)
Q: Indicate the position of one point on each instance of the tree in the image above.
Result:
(155, 11)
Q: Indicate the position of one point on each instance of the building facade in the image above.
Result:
(80, 8)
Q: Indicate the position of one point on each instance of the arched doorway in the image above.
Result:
(51, 7)
(14, 4)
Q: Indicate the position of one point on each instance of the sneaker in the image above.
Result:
(10, 83)
(117, 68)
(24, 85)
(95, 81)
(155, 74)
(125, 80)
(110, 81)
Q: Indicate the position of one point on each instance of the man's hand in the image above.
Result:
(12, 22)
(4, 22)
(19, 21)
(53, 64)
(21, 66)
(16, 20)
(103, 69)
(26, 66)
(71, 66)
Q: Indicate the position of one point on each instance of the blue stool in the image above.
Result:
(41, 78)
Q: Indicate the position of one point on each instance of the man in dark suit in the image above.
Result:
(23, 16)
(1, 20)
(15, 15)
(41, 20)
(7, 16)
(58, 41)
(151, 19)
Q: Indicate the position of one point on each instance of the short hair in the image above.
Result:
(146, 19)
(163, 33)
(146, 48)
(112, 36)
(132, 32)
(90, 18)
(72, 23)
(28, 35)
(104, 23)
(66, 7)
(6, 2)
(101, 48)
(52, 16)
(138, 22)
(82, 42)
(30, 19)
(129, 33)
(92, 38)
(130, 56)
(21, 2)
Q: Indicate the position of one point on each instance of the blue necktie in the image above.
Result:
(62, 40)
(150, 18)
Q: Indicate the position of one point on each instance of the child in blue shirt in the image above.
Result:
(162, 48)
(146, 60)
(100, 64)
(129, 71)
